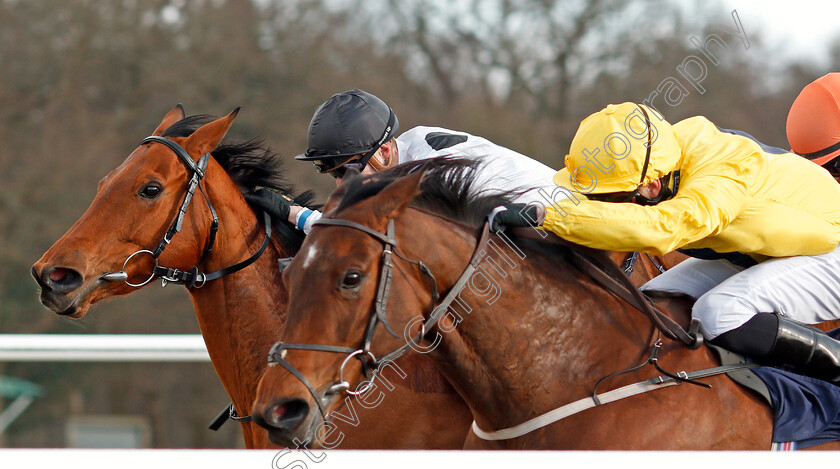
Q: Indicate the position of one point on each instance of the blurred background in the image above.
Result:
(82, 82)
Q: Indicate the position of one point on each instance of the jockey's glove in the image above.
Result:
(514, 215)
(274, 203)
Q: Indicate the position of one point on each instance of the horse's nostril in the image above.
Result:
(61, 280)
(278, 412)
(58, 274)
(287, 415)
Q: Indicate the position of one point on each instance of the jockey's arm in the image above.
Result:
(281, 208)
(704, 206)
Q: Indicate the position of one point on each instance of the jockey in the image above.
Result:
(355, 130)
(761, 224)
(813, 123)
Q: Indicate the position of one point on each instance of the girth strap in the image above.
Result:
(567, 410)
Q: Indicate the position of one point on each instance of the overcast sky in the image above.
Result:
(794, 27)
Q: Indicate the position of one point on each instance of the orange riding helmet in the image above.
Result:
(813, 123)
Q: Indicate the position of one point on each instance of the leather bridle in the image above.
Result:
(193, 277)
(370, 364)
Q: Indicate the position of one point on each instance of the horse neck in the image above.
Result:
(541, 330)
(240, 314)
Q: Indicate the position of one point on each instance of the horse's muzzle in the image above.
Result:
(57, 285)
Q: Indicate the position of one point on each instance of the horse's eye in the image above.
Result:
(352, 279)
(151, 191)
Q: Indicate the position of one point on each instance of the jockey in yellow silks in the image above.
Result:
(733, 195)
(761, 224)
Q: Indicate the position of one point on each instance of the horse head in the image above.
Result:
(134, 207)
(342, 332)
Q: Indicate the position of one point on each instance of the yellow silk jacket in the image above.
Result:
(732, 197)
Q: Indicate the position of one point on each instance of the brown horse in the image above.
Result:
(530, 334)
(240, 314)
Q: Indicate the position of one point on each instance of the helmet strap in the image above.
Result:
(392, 118)
(823, 152)
(649, 143)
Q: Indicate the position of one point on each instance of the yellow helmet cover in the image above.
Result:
(609, 149)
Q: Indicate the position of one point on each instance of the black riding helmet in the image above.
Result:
(351, 123)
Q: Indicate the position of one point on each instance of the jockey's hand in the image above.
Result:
(274, 203)
(514, 215)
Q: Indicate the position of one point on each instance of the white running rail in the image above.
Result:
(103, 348)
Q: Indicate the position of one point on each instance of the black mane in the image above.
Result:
(251, 164)
(448, 189)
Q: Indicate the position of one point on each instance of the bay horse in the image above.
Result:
(531, 333)
(110, 251)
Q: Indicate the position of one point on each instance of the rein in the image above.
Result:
(598, 266)
(193, 277)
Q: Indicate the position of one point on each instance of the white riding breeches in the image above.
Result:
(803, 288)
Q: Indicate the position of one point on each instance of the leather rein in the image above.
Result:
(193, 277)
(593, 262)
(600, 268)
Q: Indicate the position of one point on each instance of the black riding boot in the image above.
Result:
(808, 349)
(805, 347)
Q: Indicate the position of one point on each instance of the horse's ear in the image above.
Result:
(397, 195)
(176, 114)
(207, 137)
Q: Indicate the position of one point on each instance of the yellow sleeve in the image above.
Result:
(706, 204)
